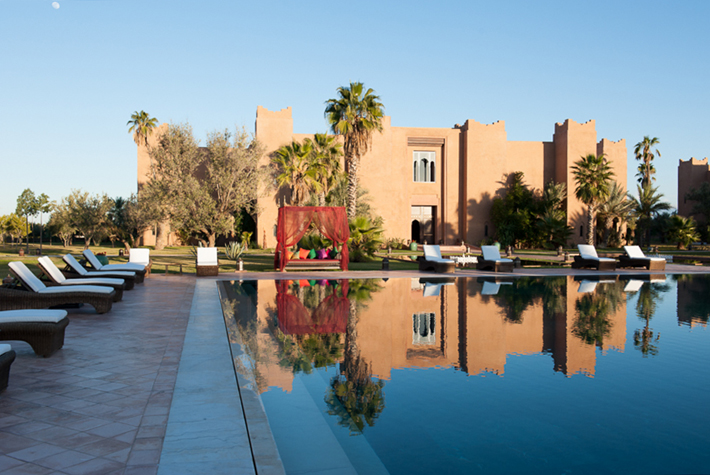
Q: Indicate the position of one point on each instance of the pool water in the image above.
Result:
(494, 376)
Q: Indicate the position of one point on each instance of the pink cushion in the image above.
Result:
(322, 254)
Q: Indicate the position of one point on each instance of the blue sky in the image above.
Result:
(72, 76)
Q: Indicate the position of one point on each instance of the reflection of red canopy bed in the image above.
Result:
(294, 221)
(331, 315)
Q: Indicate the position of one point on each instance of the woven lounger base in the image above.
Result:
(494, 266)
(13, 299)
(650, 264)
(580, 263)
(312, 264)
(6, 360)
(203, 271)
(44, 337)
(437, 266)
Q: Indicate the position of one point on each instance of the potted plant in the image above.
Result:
(234, 250)
(103, 259)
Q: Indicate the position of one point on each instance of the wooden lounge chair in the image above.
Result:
(432, 261)
(636, 258)
(55, 275)
(491, 260)
(588, 258)
(74, 270)
(42, 329)
(38, 295)
(7, 356)
(206, 261)
(139, 269)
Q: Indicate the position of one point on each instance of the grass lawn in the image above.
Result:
(254, 261)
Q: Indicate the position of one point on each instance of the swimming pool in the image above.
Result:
(528, 375)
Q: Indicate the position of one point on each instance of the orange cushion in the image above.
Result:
(289, 254)
(303, 253)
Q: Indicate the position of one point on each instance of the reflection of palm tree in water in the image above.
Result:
(593, 311)
(353, 395)
(648, 297)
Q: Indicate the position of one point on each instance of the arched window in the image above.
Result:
(424, 167)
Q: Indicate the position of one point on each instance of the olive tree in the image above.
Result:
(203, 188)
(88, 214)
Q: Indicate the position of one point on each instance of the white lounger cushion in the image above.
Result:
(59, 278)
(433, 253)
(4, 348)
(31, 280)
(207, 256)
(81, 270)
(635, 252)
(139, 256)
(491, 253)
(68, 289)
(50, 316)
(98, 266)
(587, 251)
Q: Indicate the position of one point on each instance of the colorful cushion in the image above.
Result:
(323, 254)
(304, 283)
(333, 254)
(289, 254)
(303, 253)
(312, 254)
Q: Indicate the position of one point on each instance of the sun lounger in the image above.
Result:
(56, 276)
(432, 261)
(7, 356)
(139, 269)
(74, 270)
(491, 260)
(38, 295)
(636, 258)
(206, 261)
(588, 258)
(42, 329)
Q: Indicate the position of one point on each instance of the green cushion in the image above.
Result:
(312, 254)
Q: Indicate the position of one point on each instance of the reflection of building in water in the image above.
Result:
(693, 300)
(474, 334)
(407, 325)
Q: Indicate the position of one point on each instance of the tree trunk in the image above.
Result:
(211, 238)
(161, 236)
(352, 186)
(590, 225)
(321, 198)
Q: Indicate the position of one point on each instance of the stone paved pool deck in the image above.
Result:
(150, 388)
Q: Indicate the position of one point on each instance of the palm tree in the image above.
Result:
(142, 125)
(647, 206)
(294, 170)
(325, 161)
(614, 212)
(683, 231)
(356, 114)
(645, 155)
(593, 176)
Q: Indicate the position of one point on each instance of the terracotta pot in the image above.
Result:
(22, 252)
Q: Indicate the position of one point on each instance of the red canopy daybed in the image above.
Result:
(294, 221)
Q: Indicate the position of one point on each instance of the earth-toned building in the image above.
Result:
(438, 184)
